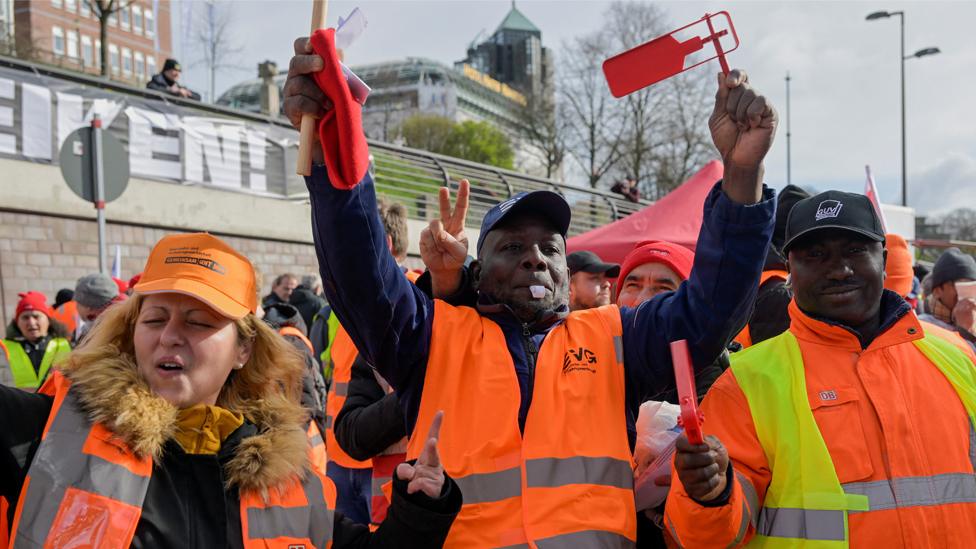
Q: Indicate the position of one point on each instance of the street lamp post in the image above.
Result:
(903, 57)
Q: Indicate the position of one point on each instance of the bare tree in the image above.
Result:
(684, 143)
(628, 25)
(214, 38)
(542, 127)
(960, 224)
(104, 10)
(592, 116)
(657, 136)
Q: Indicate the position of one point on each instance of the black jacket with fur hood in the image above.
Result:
(193, 501)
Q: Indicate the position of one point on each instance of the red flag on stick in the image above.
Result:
(871, 191)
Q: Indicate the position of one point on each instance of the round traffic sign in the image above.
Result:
(76, 165)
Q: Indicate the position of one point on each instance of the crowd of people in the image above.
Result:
(493, 399)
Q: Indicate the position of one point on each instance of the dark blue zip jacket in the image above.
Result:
(390, 319)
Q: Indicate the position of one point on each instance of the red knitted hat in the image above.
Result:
(33, 301)
(678, 258)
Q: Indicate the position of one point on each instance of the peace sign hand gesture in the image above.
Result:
(427, 474)
(444, 244)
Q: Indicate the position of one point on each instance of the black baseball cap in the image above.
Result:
(544, 204)
(833, 210)
(589, 262)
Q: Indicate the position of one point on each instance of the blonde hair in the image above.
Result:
(266, 390)
(394, 217)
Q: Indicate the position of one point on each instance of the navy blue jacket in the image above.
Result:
(390, 319)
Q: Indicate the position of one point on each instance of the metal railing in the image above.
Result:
(413, 177)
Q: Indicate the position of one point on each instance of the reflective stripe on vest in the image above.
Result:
(296, 519)
(383, 469)
(566, 486)
(745, 336)
(25, 377)
(805, 501)
(82, 484)
(343, 353)
(316, 448)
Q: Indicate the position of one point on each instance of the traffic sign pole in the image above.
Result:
(98, 178)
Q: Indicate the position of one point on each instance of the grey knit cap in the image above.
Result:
(953, 265)
(96, 291)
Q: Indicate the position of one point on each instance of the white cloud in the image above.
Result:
(845, 90)
(948, 184)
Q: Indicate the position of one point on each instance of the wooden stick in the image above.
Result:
(320, 9)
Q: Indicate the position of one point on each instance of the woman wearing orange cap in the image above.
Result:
(178, 424)
(34, 341)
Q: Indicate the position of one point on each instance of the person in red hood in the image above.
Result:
(650, 269)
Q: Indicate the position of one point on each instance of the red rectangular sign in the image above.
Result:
(668, 55)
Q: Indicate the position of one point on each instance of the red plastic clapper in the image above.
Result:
(668, 55)
(691, 417)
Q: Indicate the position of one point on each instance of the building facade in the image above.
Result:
(66, 33)
(514, 55)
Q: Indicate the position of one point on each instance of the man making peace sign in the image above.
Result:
(539, 402)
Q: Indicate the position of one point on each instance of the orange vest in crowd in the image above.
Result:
(343, 355)
(85, 487)
(384, 467)
(745, 338)
(567, 480)
(295, 332)
(318, 456)
(67, 314)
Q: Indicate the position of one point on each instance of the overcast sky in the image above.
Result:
(845, 96)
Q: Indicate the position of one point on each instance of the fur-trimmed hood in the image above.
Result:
(110, 391)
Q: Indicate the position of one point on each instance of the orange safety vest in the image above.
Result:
(567, 480)
(318, 456)
(295, 332)
(67, 314)
(745, 338)
(384, 467)
(343, 355)
(86, 488)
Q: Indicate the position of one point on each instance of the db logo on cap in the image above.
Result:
(828, 208)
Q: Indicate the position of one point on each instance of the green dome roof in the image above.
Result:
(515, 20)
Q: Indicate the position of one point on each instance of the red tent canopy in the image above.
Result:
(675, 218)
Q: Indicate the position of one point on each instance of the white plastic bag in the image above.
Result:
(657, 431)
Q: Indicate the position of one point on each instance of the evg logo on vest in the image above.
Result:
(579, 360)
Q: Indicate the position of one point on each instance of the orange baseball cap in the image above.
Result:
(203, 266)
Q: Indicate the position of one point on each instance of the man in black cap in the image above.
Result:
(590, 280)
(539, 402)
(838, 414)
(950, 311)
(770, 316)
(167, 81)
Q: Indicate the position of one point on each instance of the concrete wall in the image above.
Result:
(49, 237)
